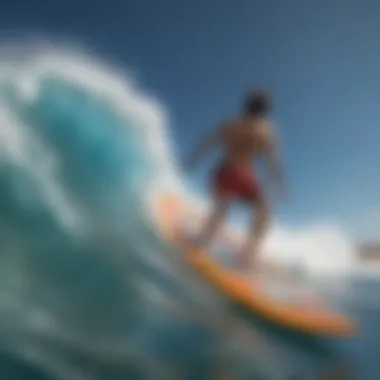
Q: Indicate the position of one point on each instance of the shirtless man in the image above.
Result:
(243, 140)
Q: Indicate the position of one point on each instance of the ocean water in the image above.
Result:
(88, 288)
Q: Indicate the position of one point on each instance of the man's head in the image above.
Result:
(257, 103)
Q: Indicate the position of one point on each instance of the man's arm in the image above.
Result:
(275, 164)
(204, 147)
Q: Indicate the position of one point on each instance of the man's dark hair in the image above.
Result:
(257, 103)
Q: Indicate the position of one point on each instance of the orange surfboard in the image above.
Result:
(311, 316)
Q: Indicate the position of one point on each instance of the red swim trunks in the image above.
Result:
(236, 183)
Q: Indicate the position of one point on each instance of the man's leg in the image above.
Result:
(213, 222)
(260, 223)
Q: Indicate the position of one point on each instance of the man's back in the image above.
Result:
(244, 139)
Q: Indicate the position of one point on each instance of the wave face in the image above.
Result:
(82, 267)
(88, 289)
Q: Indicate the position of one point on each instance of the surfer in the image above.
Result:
(243, 140)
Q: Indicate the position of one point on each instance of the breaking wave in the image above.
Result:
(88, 288)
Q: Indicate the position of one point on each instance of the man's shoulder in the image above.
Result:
(268, 123)
(267, 134)
(269, 126)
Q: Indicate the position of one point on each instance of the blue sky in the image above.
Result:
(320, 58)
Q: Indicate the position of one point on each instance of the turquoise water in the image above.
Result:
(88, 290)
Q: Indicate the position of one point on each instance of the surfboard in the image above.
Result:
(278, 304)
(307, 314)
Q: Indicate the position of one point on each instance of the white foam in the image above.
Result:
(318, 248)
